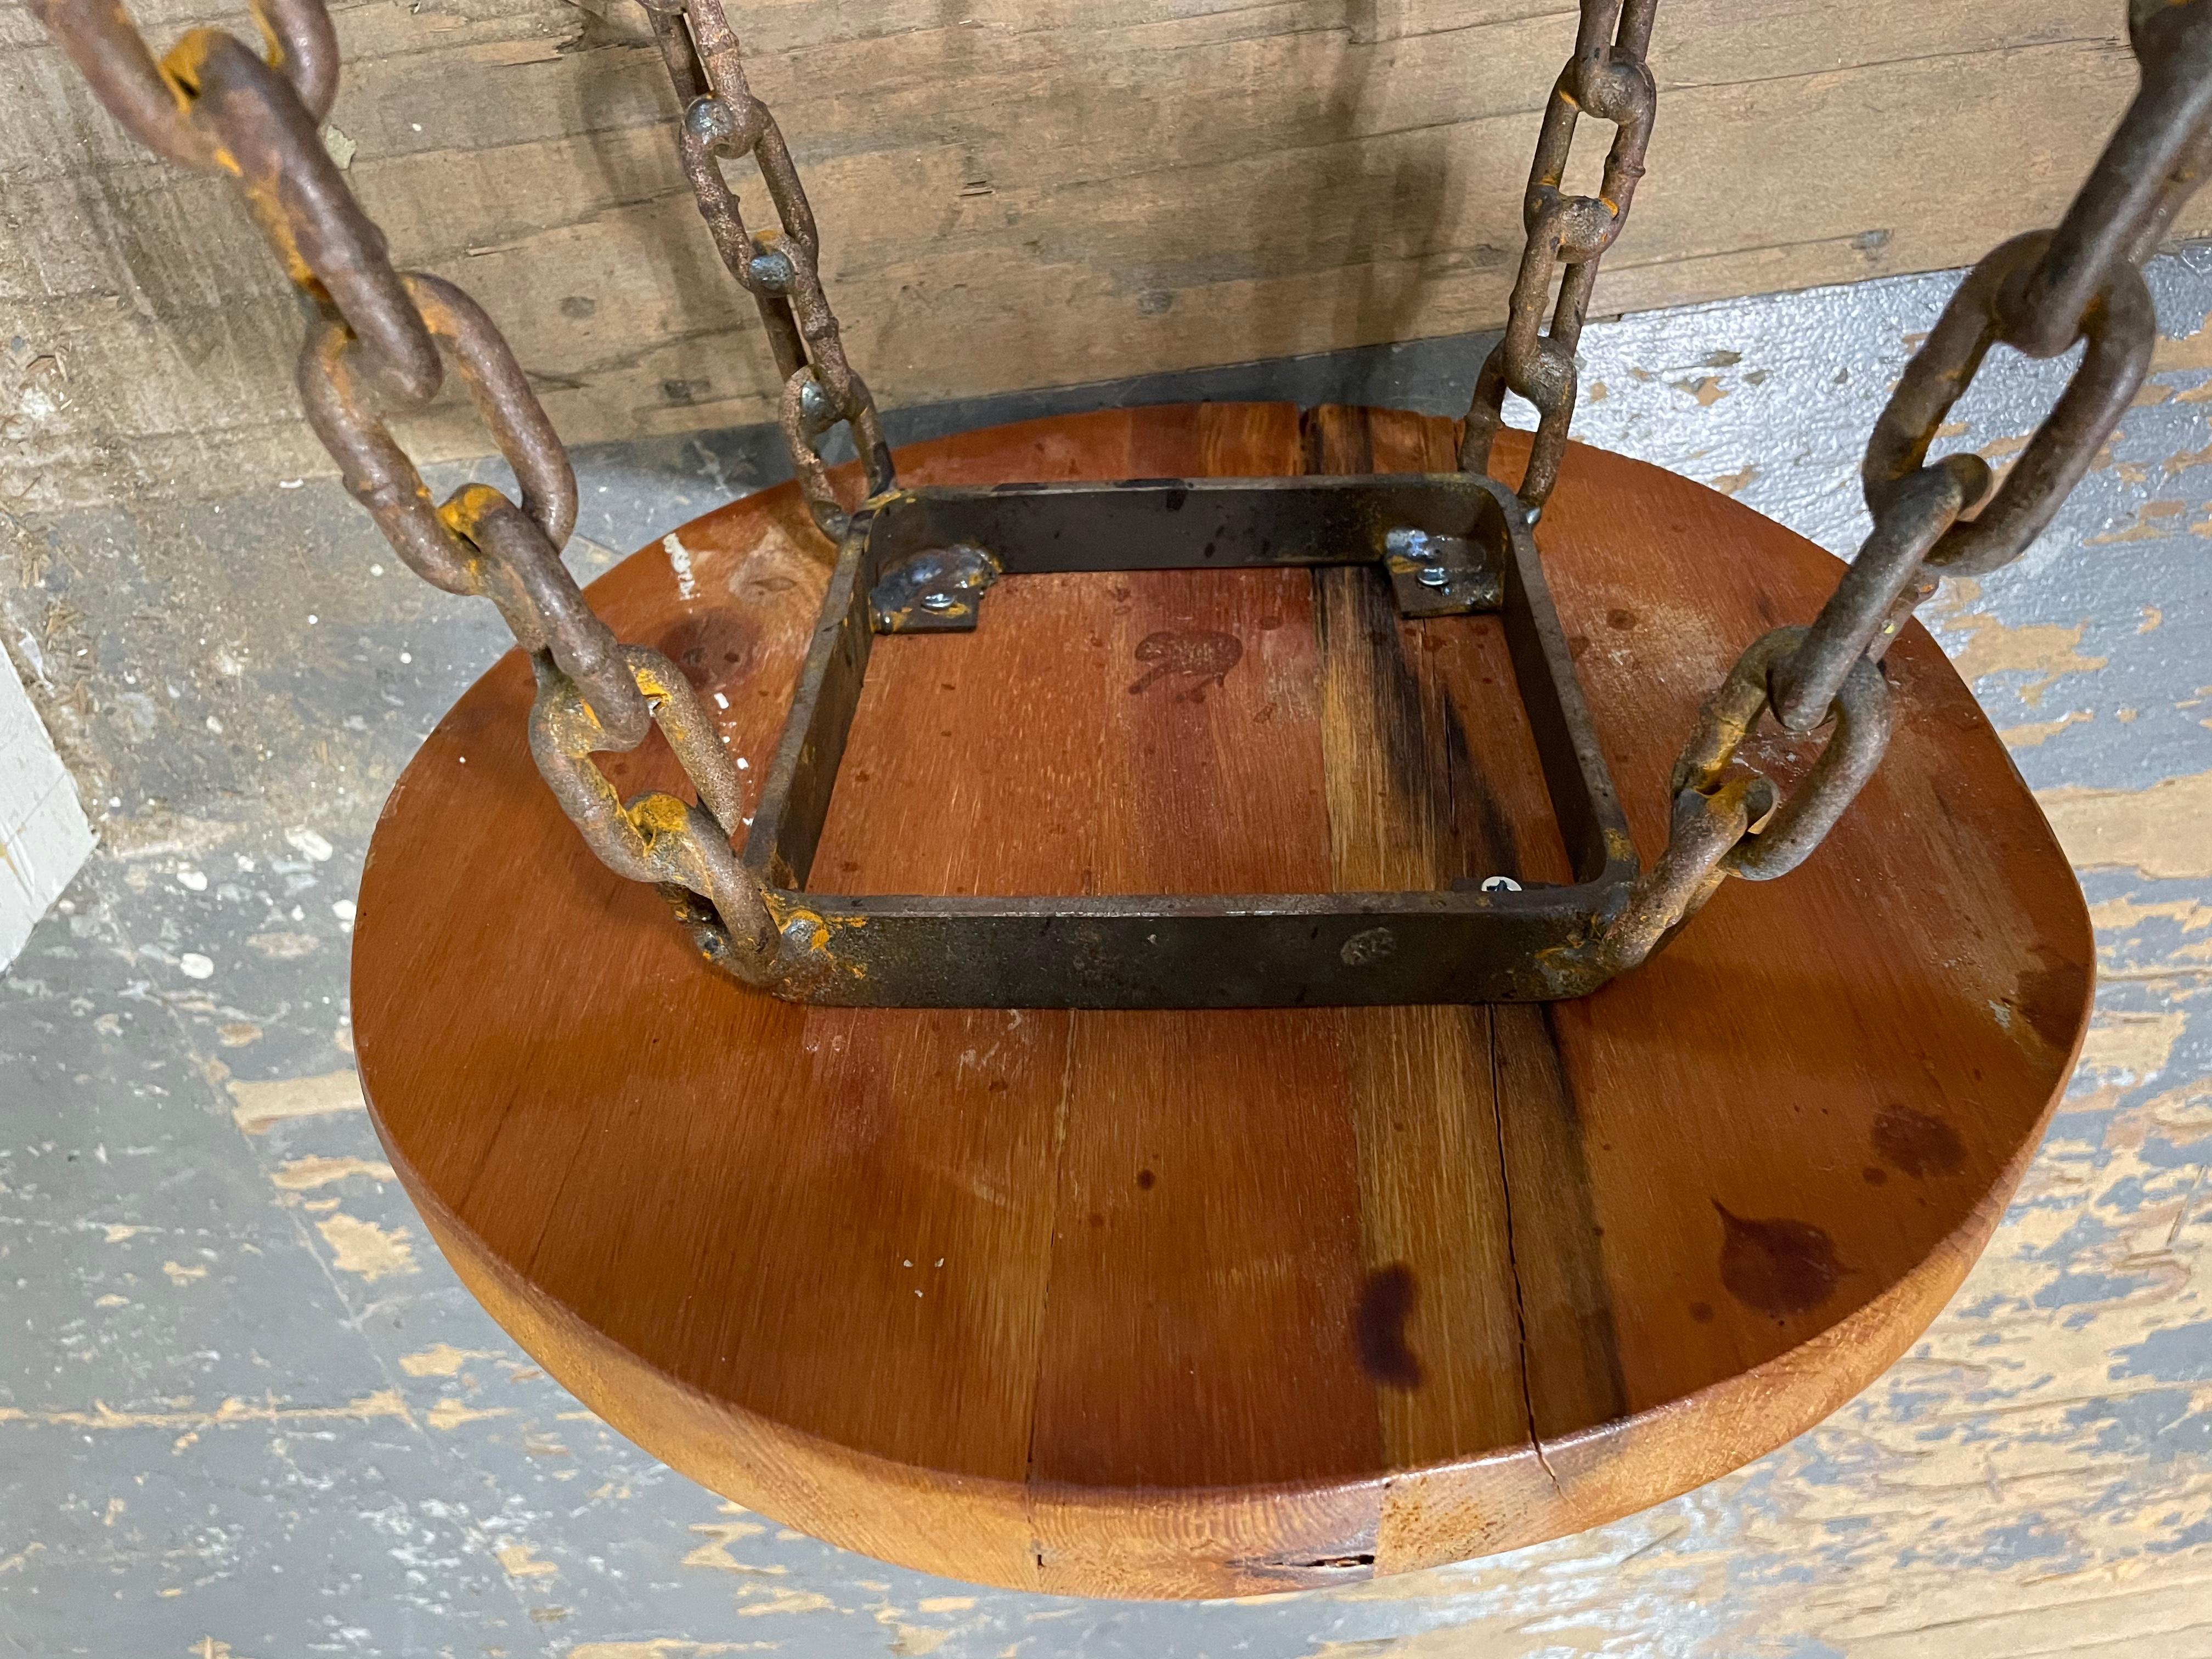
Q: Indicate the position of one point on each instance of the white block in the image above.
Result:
(43, 837)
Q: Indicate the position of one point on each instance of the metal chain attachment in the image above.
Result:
(2120, 327)
(656, 837)
(2041, 295)
(1607, 77)
(779, 268)
(154, 101)
(214, 105)
(373, 350)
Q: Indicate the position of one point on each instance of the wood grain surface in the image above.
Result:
(1214, 1302)
(1013, 194)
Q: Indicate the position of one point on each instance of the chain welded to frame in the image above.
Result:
(1607, 78)
(779, 268)
(2041, 295)
(213, 103)
(374, 349)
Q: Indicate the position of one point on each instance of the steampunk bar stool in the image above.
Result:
(1175, 1089)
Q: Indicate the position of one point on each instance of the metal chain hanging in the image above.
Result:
(779, 268)
(1607, 77)
(212, 104)
(2042, 295)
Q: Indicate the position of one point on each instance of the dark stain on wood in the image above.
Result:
(1378, 1326)
(1777, 1266)
(2050, 997)
(1200, 656)
(1916, 1143)
(735, 1241)
(712, 646)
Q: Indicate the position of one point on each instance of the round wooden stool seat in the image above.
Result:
(1178, 1303)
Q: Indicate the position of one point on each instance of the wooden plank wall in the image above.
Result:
(1014, 193)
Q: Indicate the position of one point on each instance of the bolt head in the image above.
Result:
(1433, 575)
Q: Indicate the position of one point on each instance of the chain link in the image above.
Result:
(1607, 78)
(779, 268)
(214, 104)
(2041, 295)
(373, 351)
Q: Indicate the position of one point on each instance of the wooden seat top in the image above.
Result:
(1200, 1303)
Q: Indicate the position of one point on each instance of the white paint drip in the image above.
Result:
(680, 561)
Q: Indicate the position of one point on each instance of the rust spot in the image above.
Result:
(2051, 995)
(712, 646)
(1874, 1177)
(1144, 1179)
(1916, 1143)
(1199, 656)
(1702, 1312)
(1378, 1326)
(1777, 1266)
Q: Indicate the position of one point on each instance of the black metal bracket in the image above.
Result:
(1451, 543)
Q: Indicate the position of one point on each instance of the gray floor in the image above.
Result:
(245, 1410)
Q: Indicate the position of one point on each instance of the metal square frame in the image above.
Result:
(923, 560)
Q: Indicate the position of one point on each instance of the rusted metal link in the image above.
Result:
(722, 120)
(712, 126)
(152, 101)
(1706, 825)
(656, 837)
(212, 103)
(1880, 590)
(2038, 294)
(520, 571)
(805, 412)
(478, 542)
(1803, 819)
(346, 414)
(378, 474)
(2121, 329)
(300, 198)
(1607, 78)
(2153, 163)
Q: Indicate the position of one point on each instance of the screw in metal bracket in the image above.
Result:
(1433, 575)
(938, 602)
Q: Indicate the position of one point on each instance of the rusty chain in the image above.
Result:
(373, 350)
(779, 268)
(1607, 78)
(214, 104)
(2041, 295)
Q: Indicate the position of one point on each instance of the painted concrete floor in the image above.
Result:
(246, 1410)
